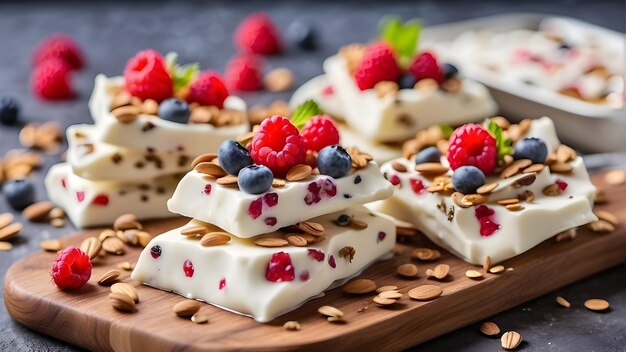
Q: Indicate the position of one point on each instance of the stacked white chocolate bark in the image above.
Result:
(518, 207)
(286, 245)
(130, 161)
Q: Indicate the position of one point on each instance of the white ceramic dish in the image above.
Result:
(586, 126)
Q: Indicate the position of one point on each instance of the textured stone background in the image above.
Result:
(110, 32)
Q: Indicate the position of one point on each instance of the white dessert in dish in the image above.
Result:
(521, 211)
(200, 197)
(92, 203)
(281, 279)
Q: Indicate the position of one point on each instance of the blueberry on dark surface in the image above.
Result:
(9, 109)
(467, 179)
(534, 149)
(334, 161)
(449, 71)
(174, 110)
(233, 156)
(428, 155)
(407, 81)
(19, 193)
(255, 179)
(302, 34)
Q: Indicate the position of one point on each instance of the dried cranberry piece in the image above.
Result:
(304, 276)
(381, 236)
(317, 254)
(80, 196)
(271, 221)
(271, 199)
(155, 251)
(394, 179)
(483, 211)
(488, 225)
(188, 268)
(328, 91)
(256, 208)
(562, 184)
(331, 261)
(222, 283)
(207, 189)
(279, 268)
(313, 194)
(63, 183)
(416, 185)
(328, 188)
(101, 199)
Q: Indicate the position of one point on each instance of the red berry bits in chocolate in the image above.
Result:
(316, 254)
(222, 283)
(188, 268)
(279, 268)
(71, 268)
(146, 76)
(486, 219)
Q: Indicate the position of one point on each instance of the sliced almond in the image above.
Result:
(37, 211)
(509, 171)
(382, 301)
(200, 318)
(91, 246)
(563, 302)
(204, 158)
(312, 228)
(51, 245)
(143, 238)
(126, 114)
(510, 340)
(596, 304)
(271, 242)
(457, 198)
(57, 222)
(127, 289)
(489, 328)
(109, 277)
(194, 231)
(278, 183)
(391, 295)
(514, 207)
(425, 254)
(330, 311)
(296, 240)
(508, 201)
(299, 172)
(615, 177)
(122, 302)
(473, 274)
(497, 269)
(113, 245)
(211, 169)
(215, 239)
(601, 226)
(536, 168)
(278, 80)
(358, 224)
(441, 271)
(398, 166)
(606, 216)
(431, 168)
(359, 286)
(425, 292)
(186, 308)
(5, 219)
(5, 246)
(228, 180)
(386, 288)
(126, 222)
(291, 325)
(487, 264)
(125, 266)
(9, 232)
(106, 234)
(561, 168)
(407, 270)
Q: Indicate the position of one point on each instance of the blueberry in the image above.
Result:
(467, 179)
(343, 220)
(174, 110)
(407, 81)
(334, 161)
(19, 193)
(233, 157)
(449, 71)
(428, 155)
(534, 149)
(9, 109)
(302, 34)
(255, 179)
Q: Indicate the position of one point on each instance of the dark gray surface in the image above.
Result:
(111, 32)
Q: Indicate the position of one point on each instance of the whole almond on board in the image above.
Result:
(186, 308)
(125, 266)
(489, 328)
(211, 169)
(37, 211)
(441, 271)
(122, 302)
(487, 264)
(291, 325)
(425, 292)
(510, 340)
(91, 246)
(313, 228)
(606, 216)
(359, 286)
(126, 222)
(407, 270)
(601, 226)
(299, 172)
(563, 302)
(384, 301)
(143, 238)
(106, 234)
(596, 304)
(496, 269)
(200, 318)
(57, 222)
(9, 232)
(114, 245)
(473, 274)
(214, 239)
(390, 294)
(109, 277)
(51, 245)
(278, 80)
(425, 254)
(330, 311)
(5, 219)
(127, 289)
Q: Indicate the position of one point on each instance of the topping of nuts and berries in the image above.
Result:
(334, 161)
(472, 145)
(467, 179)
(278, 145)
(255, 179)
(534, 149)
(319, 132)
(233, 157)
(146, 76)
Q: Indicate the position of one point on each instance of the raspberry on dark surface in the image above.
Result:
(257, 34)
(51, 80)
(59, 46)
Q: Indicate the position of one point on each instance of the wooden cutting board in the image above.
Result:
(86, 319)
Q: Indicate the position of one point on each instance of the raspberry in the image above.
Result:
(277, 145)
(71, 268)
(377, 64)
(257, 34)
(59, 46)
(471, 144)
(319, 132)
(146, 76)
(244, 73)
(208, 89)
(279, 268)
(425, 66)
(51, 80)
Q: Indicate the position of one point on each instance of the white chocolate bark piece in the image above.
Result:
(248, 279)
(490, 229)
(381, 152)
(246, 215)
(99, 161)
(322, 91)
(155, 134)
(398, 118)
(91, 203)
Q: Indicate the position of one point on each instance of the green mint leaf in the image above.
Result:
(446, 130)
(303, 112)
(503, 145)
(183, 75)
(402, 37)
(170, 61)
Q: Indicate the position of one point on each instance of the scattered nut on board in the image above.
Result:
(563, 302)
(291, 325)
(615, 177)
(359, 286)
(511, 340)
(596, 304)
(186, 308)
(489, 328)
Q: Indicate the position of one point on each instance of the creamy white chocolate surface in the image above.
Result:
(91, 203)
(396, 119)
(233, 276)
(518, 231)
(154, 134)
(246, 215)
(105, 162)
(381, 152)
(322, 91)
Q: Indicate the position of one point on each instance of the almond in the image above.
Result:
(204, 158)
(200, 318)
(615, 177)
(510, 340)
(278, 80)
(384, 301)
(126, 289)
(5, 219)
(91, 246)
(431, 168)
(561, 168)
(497, 269)
(228, 180)
(606, 216)
(596, 304)
(425, 254)
(9, 232)
(386, 288)
(390, 294)
(211, 169)
(271, 242)
(113, 245)
(106, 234)
(398, 166)
(126, 114)
(473, 274)
(425, 292)
(109, 277)
(291, 325)
(150, 107)
(5, 246)
(122, 302)
(127, 222)
(407, 270)
(312, 228)
(57, 222)
(194, 231)
(186, 308)
(330, 311)
(358, 224)
(563, 302)
(487, 188)
(489, 328)
(299, 172)
(441, 271)
(601, 226)
(215, 239)
(277, 183)
(37, 211)
(359, 286)
(51, 245)
(297, 240)
(143, 238)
